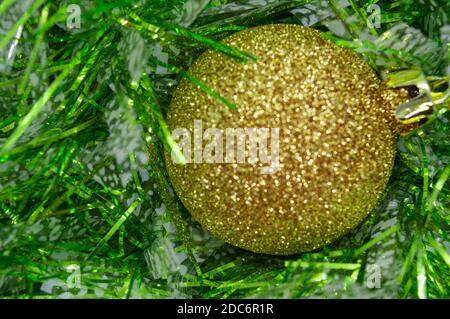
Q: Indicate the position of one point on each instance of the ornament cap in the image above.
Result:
(423, 104)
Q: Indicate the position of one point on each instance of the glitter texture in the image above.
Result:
(337, 140)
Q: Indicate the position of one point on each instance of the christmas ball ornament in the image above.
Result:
(304, 157)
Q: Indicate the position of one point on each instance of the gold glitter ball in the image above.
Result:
(336, 132)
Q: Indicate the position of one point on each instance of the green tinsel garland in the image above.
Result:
(86, 209)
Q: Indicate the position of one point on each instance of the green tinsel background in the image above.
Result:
(86, 209)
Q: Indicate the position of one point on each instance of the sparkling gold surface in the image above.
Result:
(337, 141)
